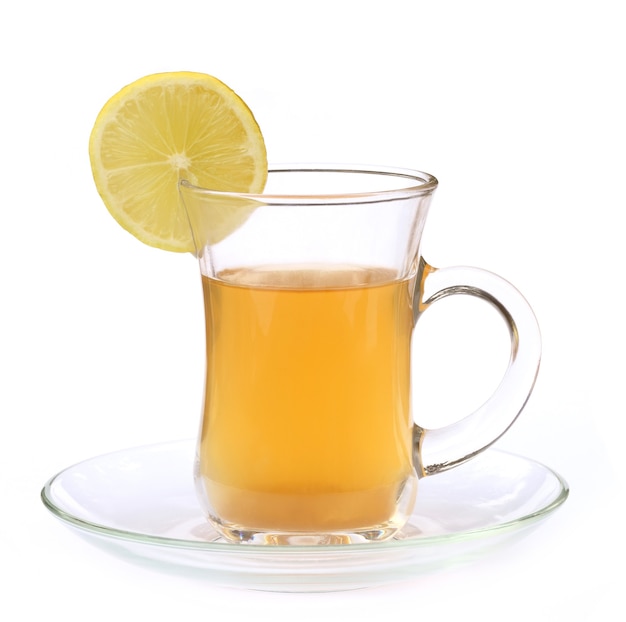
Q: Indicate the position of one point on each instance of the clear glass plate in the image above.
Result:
(140, 503)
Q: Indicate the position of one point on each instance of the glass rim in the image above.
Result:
(418, 183)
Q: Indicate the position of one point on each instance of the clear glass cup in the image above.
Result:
(311, 292)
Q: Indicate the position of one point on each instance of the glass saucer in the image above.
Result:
(140, 503)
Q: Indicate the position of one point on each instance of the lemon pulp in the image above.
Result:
(166, 127)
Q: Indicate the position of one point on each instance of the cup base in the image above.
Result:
(234, 533)
(326, 535)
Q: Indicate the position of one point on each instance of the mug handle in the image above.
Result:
(437, 450)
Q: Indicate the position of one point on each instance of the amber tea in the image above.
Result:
(307, 421)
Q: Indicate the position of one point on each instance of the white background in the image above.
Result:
(517, 107)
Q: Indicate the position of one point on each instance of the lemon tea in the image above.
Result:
(312, 289)
(307, 424)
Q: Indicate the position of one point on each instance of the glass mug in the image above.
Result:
(311, 294)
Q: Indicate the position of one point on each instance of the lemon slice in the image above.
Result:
(166, 127)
